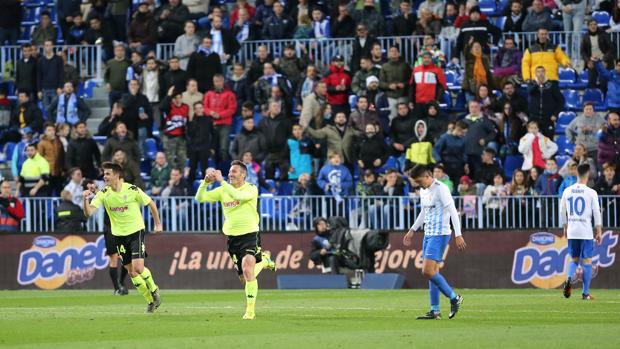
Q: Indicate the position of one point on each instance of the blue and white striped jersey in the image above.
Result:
(437, 210)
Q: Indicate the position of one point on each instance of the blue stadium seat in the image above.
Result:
(8, 151)
(452, 81)
(353, 101)
(561, 159)
(151, 148)
(563, 120)
(33, 3)
(145, 166)
(237, 124)
(390, 163)
(512, 163)
(30, 15)
(500, 22)
(564, 146)
(461, 101)
(594, 95)
(567, 77)
(286, 188)
(447, 101)
(572, 100)
(9, 87)
(195, 185)
(267, 207)
(602, 18)
(488, 7)
(271, 183)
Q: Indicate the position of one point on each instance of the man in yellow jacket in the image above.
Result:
(34, 174)
(543, 53)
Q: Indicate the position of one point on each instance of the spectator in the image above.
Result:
(449, 150)
(270, 78)
(420, 150)
(224, 42)
(115, 74)
(221, 104)
(362, 116)
(477, 69)
(131, 171)
(26, 114)
(441, 176)
(507, 62)
(263, 12)
(255, 175)
(6, 107)
(511, 129)
(11, 208)
(402, 130)
(532, 178)
(99, 35)
(256, 67)
(545, 102)
(68, 217)
(477, 30)
(366, 189)
(275, 129)
(436, 120)
(607, 184)
(573, 14)
(580, 156)
(174, 127)
(339, 137)
(427, 84)
(393, 187)
(301, 149)
(45, 31)
(74, 187)
(320, 25)
(549, 182)
(322, 253)
(439, 58)
(372, 152)
(404, 24)
(436, 7)
(495, 201)
(545, 54)
(609, 140)
(176, 186)
(584, 127)
(278, 26)
(515, 16)
(292, 66)
(10, 21)
(481, 134)
(121, 139)
(26, 71)
(243, 29)
(338, 82)
(570, 178)
(370, 16)
(138, 115)
(595, 46)
(363, 46)
(488, 168)
(192, 95)
(175, 78)
(238, 83)
(19, 151)
(393, 78)
(160, 173)
(613, 84)
(134, 71)
(68, 107)
(369, 185)
(117, 18)
(186, 44)
(200, 140)
(51, 149)
(343, 25)
(50, 70)
(70, 73)
(143, 30)
(307, 85)
(535, 147)
(538, 18)
(334, 178)
(203, 65)
(197, 8)
(170, 18)
(34, 174)
(466, 187)
(242, 4)
(427, 24)
(83, 152)
(358, 84)
(248, 139)
(109, 122)
(151, 82)
(488, 103)
(517, 102)
(313, 106)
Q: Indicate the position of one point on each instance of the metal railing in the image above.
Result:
(294, 213)
(88, 59)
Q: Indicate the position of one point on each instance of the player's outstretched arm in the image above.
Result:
(204, 195)
(155, 213)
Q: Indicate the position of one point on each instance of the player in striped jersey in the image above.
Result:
(438, 210)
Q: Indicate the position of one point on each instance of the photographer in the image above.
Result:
(322, 250)
(11, 209)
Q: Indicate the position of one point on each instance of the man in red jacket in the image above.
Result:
(338, 83)
(11, 209)
(220, 104)
(174, 124)
(427, 84)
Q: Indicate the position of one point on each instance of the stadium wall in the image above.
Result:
(506, 259)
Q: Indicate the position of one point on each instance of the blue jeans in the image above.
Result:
(48, 96)
(573, 22)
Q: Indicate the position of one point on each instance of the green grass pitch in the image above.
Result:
(496, 319)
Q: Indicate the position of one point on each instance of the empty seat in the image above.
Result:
(512, 163)
(601, 17)
(564, 146)
(567, 76)
(595, 96)
(563, 120)
(151, 148)
(572, 100)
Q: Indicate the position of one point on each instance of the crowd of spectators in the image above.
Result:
(289, 119)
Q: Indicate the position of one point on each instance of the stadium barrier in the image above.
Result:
(295, 213)
(510, 259)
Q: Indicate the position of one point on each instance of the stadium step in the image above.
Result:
(99, 108)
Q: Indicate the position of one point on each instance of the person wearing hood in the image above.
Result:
(481, 134)
(394, 78)
(420, 150)
(203, 65)
(609, 140)
(275, 129)
(52, 150)
(436, 120)
(121, 139)
(427, 84)
(143, 30)
(370, 16)
(403, 130)
(358, 85)
(338, 82)
(271, 78)
(372, 151)
(596, 46)
(507, 62)
(249, 138)
(539, 17)
(322, 252)
(170, 18)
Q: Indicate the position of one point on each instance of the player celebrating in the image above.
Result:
(122, 202)
(576, 219)
(239, 199)
(437, 210)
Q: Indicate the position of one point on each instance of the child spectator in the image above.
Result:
(440, 175)
(300, 148)
(535, 147)
(570, 179)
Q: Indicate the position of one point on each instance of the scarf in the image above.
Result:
(204, 51)
(244, 33)
(67, 112)
(480, 74)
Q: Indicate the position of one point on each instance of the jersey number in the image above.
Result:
(576, 205)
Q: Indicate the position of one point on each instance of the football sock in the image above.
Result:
(251, 291)
(258, 267)
(587, 277)
(572, 269)
(140, 284)
(434, 295)
(123, 276)
(114, 276)
(443, 286)
(148, 279)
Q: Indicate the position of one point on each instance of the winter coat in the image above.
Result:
(395, 72)
(251, 141)
(548, 56)
(548, 184)
(533, 21)
(358, 85)
(54, 152)
(127, 144)
(26, 75)
(469, 83)
(200, 134)
(370, 149)
(608, 145)
(275, 132)
(427, 83)
(515, 64)
(402, 130)
(449, 150)
(372, 18)
(359, 119)
(312, 111)
(544, 101)
(480, 31)
(278, 28)
(479, 128)
(84, 153)
(613, 85)
(576, 133)
(421, 150)
(262, 91)
(300, 156)
(222, 102)
(131, 113)
(604, 44)
(333, 79)
(69, 218)
(32, 117)
(336, 141)
(337, 177)
(143, 29)
(547, 147)
(202, 68)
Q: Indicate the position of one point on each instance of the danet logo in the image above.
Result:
(50, 263)
(543, 262)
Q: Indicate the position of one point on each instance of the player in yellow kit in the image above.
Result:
(123, 202)
(239, 199)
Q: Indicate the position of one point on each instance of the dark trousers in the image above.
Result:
(114, 96)
(196, 156)
(119, 27)
(276, 160)
(9, 36)
(223, 133)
